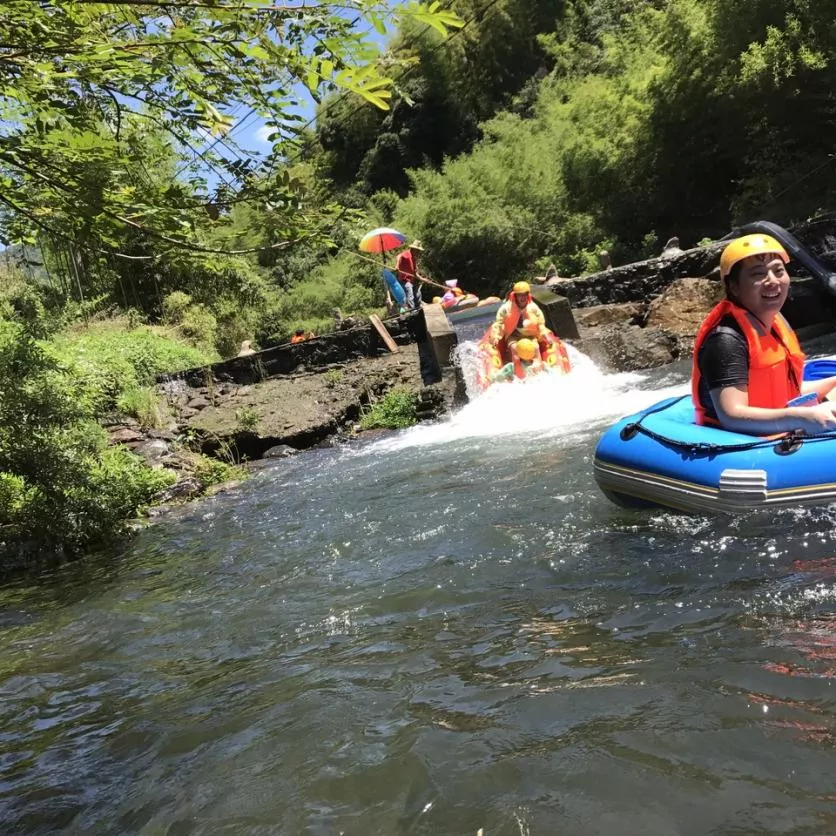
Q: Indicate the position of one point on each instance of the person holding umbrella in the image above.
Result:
(408, 275)
(380, 241)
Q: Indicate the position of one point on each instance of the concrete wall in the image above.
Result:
(638, 282)
(318, 352)
(441, 336)
(558, 313)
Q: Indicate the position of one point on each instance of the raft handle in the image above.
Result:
(789, 444)
(629, 431)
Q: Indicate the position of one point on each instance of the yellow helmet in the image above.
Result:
(526, 349)
(530, 328)
(755, 244)
(522, 287)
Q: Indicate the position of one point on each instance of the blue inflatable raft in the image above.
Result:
(660, 457)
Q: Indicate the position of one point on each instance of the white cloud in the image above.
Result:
(263, 132)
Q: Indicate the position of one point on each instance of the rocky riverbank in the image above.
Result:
(300, 410)
(646, 314)
(255, 423)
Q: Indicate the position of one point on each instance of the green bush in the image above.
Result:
(200, 326)
(247, 417)
(358, 299)
(209, 471)
(235, 324)
(145, 405)
(61, 488)
(175, 306)
(352, 284)
(222, 324)
(395, 410)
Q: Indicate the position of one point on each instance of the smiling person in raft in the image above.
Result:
(748, 366)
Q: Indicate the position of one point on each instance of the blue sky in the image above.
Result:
(250, 132)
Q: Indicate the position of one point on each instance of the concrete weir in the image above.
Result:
(441, 336)
(357, 343)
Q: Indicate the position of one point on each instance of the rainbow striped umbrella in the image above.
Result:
(381, 240)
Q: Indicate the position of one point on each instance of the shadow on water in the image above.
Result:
(444, 630)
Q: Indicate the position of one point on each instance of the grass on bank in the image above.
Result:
(394, 411)
(115, 359)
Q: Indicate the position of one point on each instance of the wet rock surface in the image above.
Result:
(264, 423)
(300, 410)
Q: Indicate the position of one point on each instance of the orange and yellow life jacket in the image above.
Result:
(510, 317)
(776, 361)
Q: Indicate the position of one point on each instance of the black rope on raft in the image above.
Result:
(783, 445)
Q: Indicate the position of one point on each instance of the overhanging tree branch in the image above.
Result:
(145, 230)
(64, 237)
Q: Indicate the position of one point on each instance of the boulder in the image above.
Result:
(682, 306)
(625, 313)
(279, 451)
(155, 451)
(629, 348)
(808, 304)
(183, 489)
(125, 435)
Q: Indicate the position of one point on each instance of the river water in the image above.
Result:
(441, 630)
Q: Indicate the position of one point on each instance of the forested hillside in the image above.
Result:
(680, 117)
(508, 134)
(505, 134)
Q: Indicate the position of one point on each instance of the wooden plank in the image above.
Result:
(384, 334)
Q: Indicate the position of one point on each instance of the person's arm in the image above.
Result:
(821, 387)
(735, 413)
(505, 373)
(537, 315)
(498, 327)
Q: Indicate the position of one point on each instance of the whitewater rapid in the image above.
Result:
(541, 407)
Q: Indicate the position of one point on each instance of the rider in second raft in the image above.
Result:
(530, 363)
(517, 318)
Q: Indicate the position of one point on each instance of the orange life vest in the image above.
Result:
(515, 314)
(297, 338)
(776, 361)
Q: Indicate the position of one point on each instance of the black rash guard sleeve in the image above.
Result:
(723, 361)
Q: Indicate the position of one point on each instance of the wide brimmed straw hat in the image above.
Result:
(416, 245)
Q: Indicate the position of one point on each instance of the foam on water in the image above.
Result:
(543, 406)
